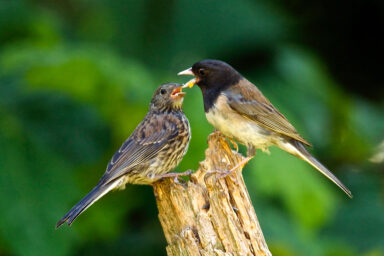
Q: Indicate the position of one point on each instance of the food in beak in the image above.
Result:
(190, 83)
(177, 93)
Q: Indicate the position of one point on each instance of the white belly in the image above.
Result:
(241, 129)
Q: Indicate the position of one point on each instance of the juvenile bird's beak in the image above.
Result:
(177, 93)
(191, 82)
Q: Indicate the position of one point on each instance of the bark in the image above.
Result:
(210, 216)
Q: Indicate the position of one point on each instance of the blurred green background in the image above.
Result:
(76, 77)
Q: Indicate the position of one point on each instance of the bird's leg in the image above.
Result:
(176, 175)
(251, 152)
(239, 165)
(173, 174)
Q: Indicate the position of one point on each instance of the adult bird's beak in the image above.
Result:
(191, 82)
(186, 72)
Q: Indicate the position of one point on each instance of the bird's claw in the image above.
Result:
(176, 176)
(225, 174)
(239, 165)
(221, 173)
(212, 172)
(176, 180)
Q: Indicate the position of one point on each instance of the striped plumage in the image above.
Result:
(165, 131)
(156, 147)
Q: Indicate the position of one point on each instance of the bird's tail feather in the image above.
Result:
(95, 194)
(303, 153)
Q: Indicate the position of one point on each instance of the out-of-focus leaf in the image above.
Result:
(40, 146)
(303, 190)
(361, 217)
(87, 75)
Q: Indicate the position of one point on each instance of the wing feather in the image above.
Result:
(248, 101)
(150, 137)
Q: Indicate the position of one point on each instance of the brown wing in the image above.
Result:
(248, 101)
(149, 137)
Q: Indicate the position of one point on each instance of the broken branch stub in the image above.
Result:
(210, 216)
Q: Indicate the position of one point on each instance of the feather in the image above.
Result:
(249, 102)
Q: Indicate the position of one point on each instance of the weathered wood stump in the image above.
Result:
(210, 216)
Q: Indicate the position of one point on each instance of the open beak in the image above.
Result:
(188, 72)
(178, 93)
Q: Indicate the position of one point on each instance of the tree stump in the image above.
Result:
(207, 216)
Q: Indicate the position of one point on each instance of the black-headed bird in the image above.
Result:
(155, 148)
(239, 110)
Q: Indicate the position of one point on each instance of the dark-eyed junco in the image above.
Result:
(155, 148)
(239, 110)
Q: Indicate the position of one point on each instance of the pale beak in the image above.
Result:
(191, 82)
(186, 72)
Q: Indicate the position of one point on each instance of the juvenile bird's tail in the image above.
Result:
(298, 149)
(95, 194)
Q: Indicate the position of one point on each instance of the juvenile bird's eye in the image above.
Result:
(163, 91)
(202, 72)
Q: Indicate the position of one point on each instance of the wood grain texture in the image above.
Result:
(209, 217)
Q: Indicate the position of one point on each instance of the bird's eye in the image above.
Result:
(202, 72)
(163, 91)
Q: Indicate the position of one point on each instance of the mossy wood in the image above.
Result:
(209, 217)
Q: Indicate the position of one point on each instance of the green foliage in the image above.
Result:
(76, 78)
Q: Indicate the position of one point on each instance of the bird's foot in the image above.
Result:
(214, 172)
(174, 175)
(239, 165)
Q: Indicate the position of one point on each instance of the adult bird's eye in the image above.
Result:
(202, 72)
(163, 91)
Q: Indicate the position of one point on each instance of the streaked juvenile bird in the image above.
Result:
(155, 148)
(239, 110)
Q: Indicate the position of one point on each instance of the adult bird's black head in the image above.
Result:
(168, 97)
(212, 76)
